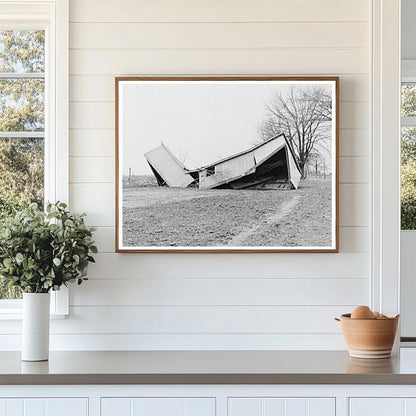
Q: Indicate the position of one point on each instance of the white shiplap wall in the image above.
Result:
(218, 301)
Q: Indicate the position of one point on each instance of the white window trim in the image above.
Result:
(409, 70)
(385, 262)
(54, 16)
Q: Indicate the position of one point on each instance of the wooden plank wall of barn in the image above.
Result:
(215, 301)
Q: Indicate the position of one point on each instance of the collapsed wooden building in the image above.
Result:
(268, 165)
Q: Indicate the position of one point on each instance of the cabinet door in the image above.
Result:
(269, 406)
(160, 406)
(44, 407)
(382, 407)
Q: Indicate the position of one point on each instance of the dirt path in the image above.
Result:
(285, 209)
(189, 217)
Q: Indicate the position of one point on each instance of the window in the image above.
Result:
(33, 112)
(408, 155)
(22, 124)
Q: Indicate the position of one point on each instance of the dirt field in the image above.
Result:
(155, 216)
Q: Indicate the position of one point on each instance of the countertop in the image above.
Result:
(207, 367)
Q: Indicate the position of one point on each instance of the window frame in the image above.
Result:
(408, 76)
(385, 156)
(53, 17)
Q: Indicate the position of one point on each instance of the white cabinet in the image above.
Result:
(377, 407)
(146, 406)
(44, 407)
(208, 400)
(281, 406)
(382, 406)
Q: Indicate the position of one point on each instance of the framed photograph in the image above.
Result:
(227, 164)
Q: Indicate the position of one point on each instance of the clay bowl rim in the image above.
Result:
(347, 316)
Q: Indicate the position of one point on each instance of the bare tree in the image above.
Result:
(304, 115)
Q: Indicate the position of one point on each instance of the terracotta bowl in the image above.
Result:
(369, 338)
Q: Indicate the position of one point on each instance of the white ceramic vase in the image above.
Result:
(35, 326)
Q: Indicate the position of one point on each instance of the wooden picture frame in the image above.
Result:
(227, 164)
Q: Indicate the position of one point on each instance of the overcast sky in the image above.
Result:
(200, 122)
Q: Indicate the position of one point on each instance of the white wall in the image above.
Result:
(206, 300)
(214, 301)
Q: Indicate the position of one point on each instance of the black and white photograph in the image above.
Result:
(226, 164)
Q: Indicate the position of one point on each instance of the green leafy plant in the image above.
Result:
(43, 251)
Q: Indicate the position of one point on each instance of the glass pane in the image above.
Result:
(22, 104)
(22, 51)
(408, 99)
(408, 178)
(21, 182)
(21, 173)
(7, 292)
(21, 109)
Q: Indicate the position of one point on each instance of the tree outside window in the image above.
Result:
(22, 124)
(408, 157)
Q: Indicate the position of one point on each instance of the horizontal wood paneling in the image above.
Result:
(104, 238)
(352, 239)
(354, 208)
(354, 87)
(287, 296)
(354, 142)
(202, 319)
(231, 265)
(218, 36)
(89, 169)
(97, 199)
(93, 143)
(92, 88)
(101, 88)
(354, 170)
(220, 291)
(354, 115)
(218, 11)
(194, 320)
(219, 62)
(92, 115)
(166, 341)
